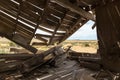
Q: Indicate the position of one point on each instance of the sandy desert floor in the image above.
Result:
(88, 46)
(82, 46)
(84, 49)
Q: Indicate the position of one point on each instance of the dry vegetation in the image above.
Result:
(82, 46)
(77, 45)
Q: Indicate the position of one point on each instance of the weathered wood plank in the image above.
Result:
(37, 61)
(9, 66)
(22, 56)
(39, 3)
(107, 27)
(21, 25)
(28, 47)
(24, 10)
(39, 44)
(92, 66)
(56, 29)
(75, 27)
(46, 30)
(75, 9)
(4, 27)
(59, 8)
(48, 36)
(40, 38)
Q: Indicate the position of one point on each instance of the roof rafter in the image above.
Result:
(74, 8)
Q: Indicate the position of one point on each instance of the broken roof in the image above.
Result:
(50, 21)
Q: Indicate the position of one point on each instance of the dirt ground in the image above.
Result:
(82, 46)
(87, 46)
(84, 49)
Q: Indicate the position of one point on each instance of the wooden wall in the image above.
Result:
(108, 29)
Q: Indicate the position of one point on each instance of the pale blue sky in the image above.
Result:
(85, 33)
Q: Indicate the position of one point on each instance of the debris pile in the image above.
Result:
(53, 64)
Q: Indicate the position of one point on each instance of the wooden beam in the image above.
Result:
(7, 27)
(39, 22)
(88, 2)
(45, 24)
(46, 30)
(75, 27)
(108, 22)
(10, 25)
(11, 66)
(48, 36)
(75, 9)
(40, 38)
(10, 10)
(27, 13)
(54, 11)
(38, 43)
(94, 25)
(38, 60)
(91, 59)
(43, 35)
(40, 3)
(90, 65)
(22, 56)
(28, 47)
(59, 8)
(57, 27)
(21, 25)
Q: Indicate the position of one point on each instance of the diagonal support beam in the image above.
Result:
(28, 47)
(39, 22)
(74, 28)
(57, 27)
(75, 9)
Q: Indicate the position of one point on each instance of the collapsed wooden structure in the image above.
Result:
(53, 21)
(50, 21)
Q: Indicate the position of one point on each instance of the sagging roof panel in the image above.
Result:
(21, 19)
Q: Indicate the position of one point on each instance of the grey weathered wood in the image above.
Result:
(74, 8)
(40, 38)
(28, 47)
(74, 28)
(38, 60)
(49, 31)
(39, 44)
(89, 65)
(48, 36)
(57, 27)
(10, 66)
(90, 59)
(22, 56)
(108, 18)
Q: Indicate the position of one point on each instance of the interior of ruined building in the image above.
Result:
(58, 20)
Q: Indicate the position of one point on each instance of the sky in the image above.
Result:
(85, 33)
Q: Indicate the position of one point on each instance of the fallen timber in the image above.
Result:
(20, 20)
(77, 55)
(87, 60)
(29, 61)
(38, 60)
(91, 65)
(18, 68)
(52, 64)
(10, 66)
(22, 56)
